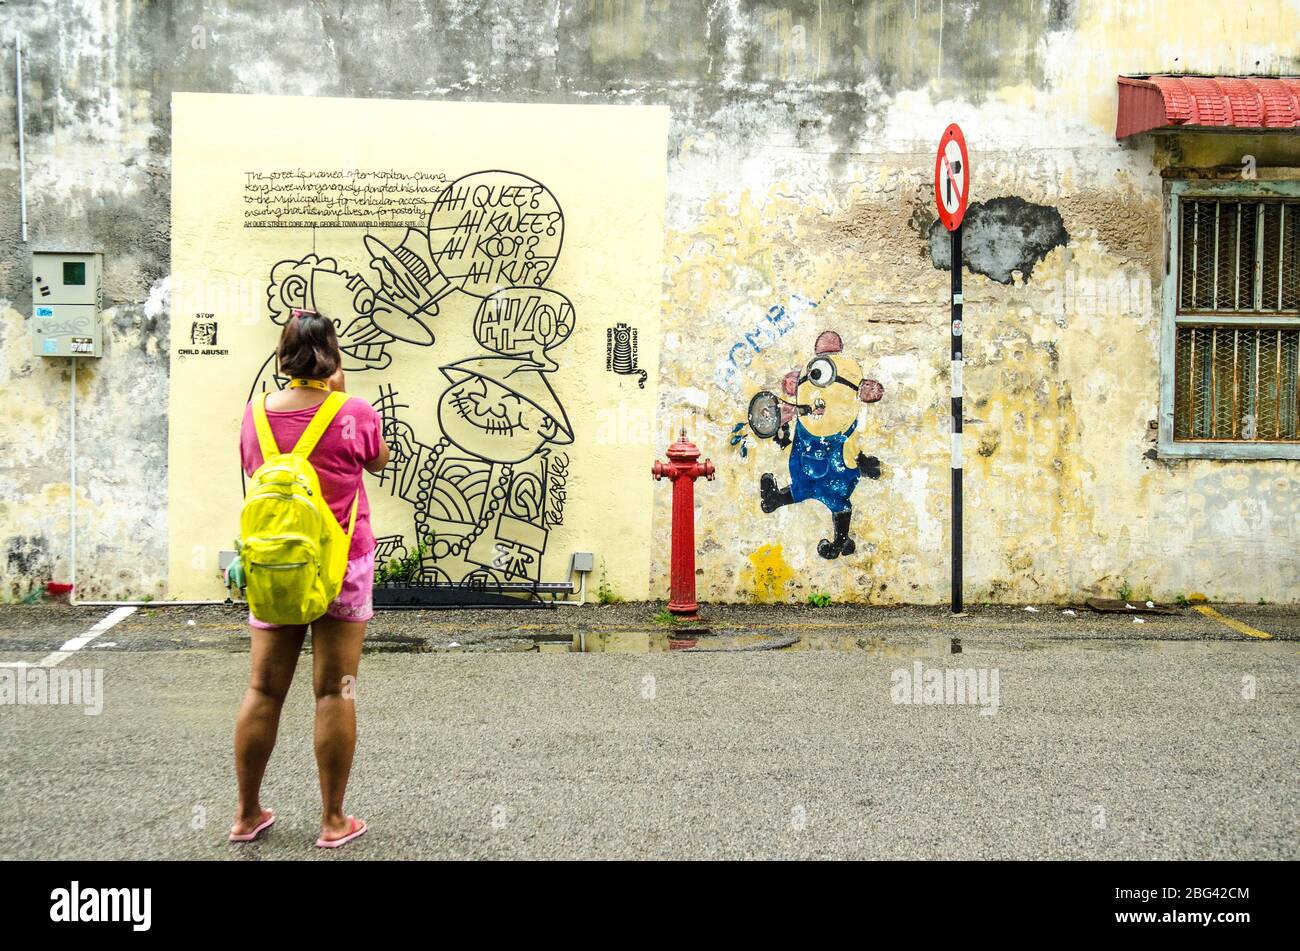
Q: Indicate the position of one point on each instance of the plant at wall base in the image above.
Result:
(604, 593)
(1181, 600)
(740, 439)
(406, 569)
(819, 599)
(1125, 591)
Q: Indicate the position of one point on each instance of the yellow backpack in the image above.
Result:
(293, 549)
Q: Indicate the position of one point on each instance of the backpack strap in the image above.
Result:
(352, 519)
(265, 438)
(325, 414)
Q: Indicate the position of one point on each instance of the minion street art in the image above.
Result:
(815, 417)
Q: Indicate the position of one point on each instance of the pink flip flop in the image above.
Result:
(262, 827)
(358, 829)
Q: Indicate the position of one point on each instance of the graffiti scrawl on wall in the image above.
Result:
(777, 321)
(815, 417)
(483, 485)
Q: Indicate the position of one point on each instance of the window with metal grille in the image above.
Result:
(1237, 320)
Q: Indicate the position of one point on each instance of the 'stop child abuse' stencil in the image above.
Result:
(478, 477)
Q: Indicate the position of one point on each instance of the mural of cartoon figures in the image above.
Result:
(411, 284)
(822, 403)
(485, 489)
(488, 232)
(480, 491)
(367, 320)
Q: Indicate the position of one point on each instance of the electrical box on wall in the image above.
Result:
(67, 294)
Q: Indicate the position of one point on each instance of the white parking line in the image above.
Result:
(77, 643)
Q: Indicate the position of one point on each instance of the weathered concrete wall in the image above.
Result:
(800, 151)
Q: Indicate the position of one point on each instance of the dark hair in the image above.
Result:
(308, 347)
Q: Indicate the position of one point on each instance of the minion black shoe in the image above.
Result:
(842, 545)
(770, 498)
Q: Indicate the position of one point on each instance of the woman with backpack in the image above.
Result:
(307, 552)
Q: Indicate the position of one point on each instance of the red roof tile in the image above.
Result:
(1172, 102)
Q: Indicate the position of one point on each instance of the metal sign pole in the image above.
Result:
(951, 193)
(956, 418)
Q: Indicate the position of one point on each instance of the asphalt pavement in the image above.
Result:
(482, 735)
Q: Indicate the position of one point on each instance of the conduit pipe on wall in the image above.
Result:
(582, 591)
(150, 604)
(72, 481)
(72, 396)
(22, 146)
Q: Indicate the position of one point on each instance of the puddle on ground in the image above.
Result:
(632, 642)
(662, 641)
(907, 648)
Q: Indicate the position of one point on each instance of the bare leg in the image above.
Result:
(336, 654)
(274, 658)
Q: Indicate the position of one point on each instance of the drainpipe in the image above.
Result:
(22, 146)
(72, 480)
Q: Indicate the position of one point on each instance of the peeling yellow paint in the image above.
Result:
(1114, 37)
(1061, 379)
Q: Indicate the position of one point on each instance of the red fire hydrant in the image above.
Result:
(683, 469)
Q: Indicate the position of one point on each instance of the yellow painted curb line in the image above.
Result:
(1233, 623)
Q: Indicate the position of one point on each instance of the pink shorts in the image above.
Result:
(354, 602)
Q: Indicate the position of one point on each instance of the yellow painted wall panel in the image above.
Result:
(477, 260)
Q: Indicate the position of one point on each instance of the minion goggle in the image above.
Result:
(821, 371)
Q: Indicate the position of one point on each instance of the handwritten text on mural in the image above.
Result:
(339, 198)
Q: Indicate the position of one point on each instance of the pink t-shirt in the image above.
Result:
(352, 439)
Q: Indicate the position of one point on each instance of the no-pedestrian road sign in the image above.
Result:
(951, 177)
